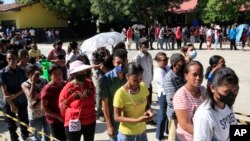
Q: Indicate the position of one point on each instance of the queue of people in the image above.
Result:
(65, 105)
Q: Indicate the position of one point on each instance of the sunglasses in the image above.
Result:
(164, 60)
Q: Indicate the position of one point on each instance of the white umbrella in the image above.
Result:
(139, 26)
(107, 39)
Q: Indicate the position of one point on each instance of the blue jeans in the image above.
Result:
(114, 138)
(161, 43)
(40, 124)
(162, 117)
(141, 137)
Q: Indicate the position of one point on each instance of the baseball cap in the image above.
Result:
(176, 57)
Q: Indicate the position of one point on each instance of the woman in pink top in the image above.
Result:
(187, 99)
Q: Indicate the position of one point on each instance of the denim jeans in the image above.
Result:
(40, 124)
(161, 43)
(114, 138)
(161, 117)
(141, 137)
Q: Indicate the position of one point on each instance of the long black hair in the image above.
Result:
(213, 61)
(134, 69)
(191, 63)
(218, 79)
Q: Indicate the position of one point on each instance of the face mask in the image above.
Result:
(229, 99)
(80, 77)
(192, 54)
(120, 71)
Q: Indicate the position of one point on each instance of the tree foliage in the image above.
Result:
(1, 2)
(74, 10)
(141, 10)
(108, 10)
(214, 11)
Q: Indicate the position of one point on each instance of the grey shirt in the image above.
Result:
(171, 84)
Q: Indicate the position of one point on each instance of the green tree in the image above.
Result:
(1, 2)
(142, 10)
(214, 11)
(73, 10)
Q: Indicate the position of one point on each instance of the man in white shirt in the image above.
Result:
(144, 58)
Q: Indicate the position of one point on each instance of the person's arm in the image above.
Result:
(30, 92)
(169, 90)
(182, 117)
(119, 118)
(181, 106)
(158, 76)
(104, 92)
(203, 126)
(50, 112)
(110, 128)
(9, 98)
(40, 54)
(45, 95)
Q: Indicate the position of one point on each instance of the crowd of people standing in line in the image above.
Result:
(64, 105)
(27, 34)
(211, 35)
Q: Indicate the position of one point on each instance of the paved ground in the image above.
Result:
(238, 60)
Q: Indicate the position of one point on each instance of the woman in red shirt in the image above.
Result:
(244, 38)
(49, 99)
(178, 37)
(77, 104)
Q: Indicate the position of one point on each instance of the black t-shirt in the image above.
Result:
(3, 62)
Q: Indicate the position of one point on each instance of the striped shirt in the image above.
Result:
(171, 84)
(183, 100)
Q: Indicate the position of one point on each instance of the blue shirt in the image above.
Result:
(110, 83)
(232, 34)
(13, 80)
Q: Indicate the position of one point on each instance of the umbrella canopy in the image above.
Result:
(106, 39)
(240, 31)
(139, 26)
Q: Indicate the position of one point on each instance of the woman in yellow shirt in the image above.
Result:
(34, 52)
(131, 108)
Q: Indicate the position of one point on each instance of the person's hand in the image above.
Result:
(13, 108)
(35, 77)
(103, 68)
(149, 114)
(63, 105)
(61, 63)
(143, 119)
(111, 131)
(97, 67)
